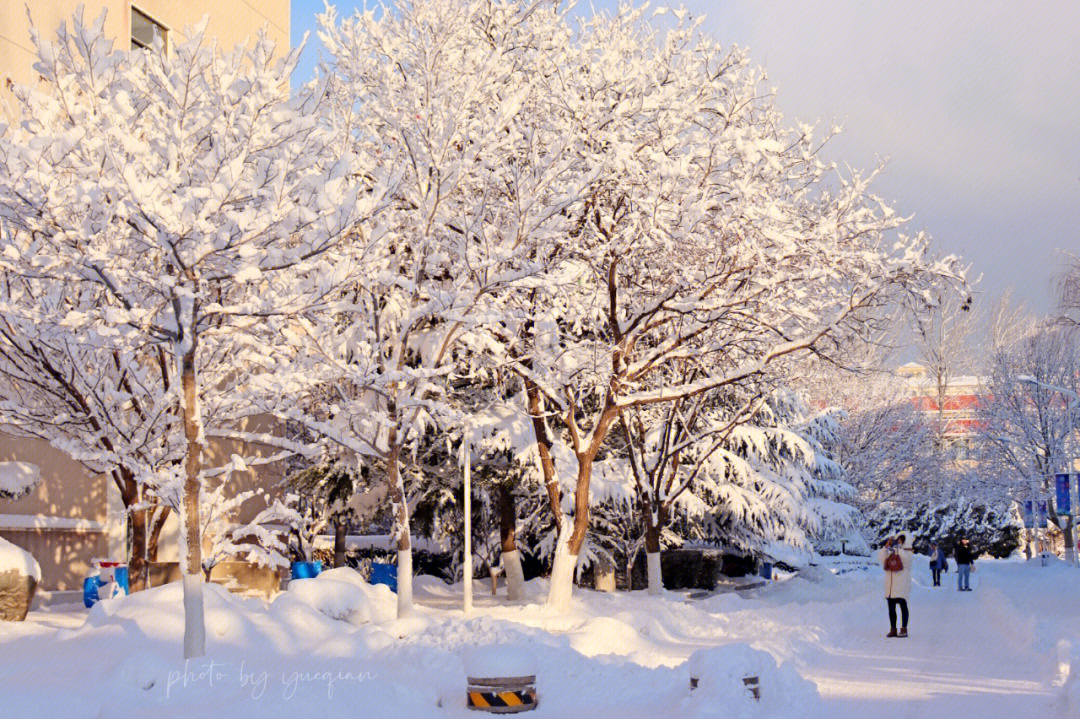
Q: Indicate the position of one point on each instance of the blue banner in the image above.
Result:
(1029, 515)
(1063, 496)
(1042, 514)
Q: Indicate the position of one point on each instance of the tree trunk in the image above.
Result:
(562, 574)
(543, 447)
(136, 529)
(511, 559)
(1067, 535)
(194, 627)
(571, 539)
(138, 569)
(158, 516)
(339, 544)
(400, 508)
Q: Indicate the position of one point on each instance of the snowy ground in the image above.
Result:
(1002, 650)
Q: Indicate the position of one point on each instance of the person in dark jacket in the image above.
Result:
(965, 558)
(938, 562)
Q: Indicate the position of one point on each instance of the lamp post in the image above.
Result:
(466, 459)
(1070, 462)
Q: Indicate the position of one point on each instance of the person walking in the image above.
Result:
(938, 562)
(965, 558)
(896, 558)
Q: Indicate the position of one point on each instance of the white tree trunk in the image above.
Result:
(656, 579)
(562, 576)
(404, 583)
(515, 578)
(194, 629)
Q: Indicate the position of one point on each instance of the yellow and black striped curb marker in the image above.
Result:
(519, 700)
(502, 695)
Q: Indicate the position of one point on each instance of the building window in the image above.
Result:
(144, 29)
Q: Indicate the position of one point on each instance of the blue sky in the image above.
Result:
(976, 104)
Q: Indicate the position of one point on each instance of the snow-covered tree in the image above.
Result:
(888, 449)
(99, 405)
(442, 96)
(943, 335)
(752, 474)
(321, 496)
(1029, 417)
(1069, 292)
(713, 241)
(178, 199)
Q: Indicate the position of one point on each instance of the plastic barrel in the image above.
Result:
(120, 576)
(306, 570)
(766, 570)
(383, 573)
(90, 590)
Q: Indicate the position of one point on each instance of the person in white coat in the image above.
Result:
(896, 558)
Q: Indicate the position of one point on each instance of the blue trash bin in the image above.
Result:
(120, 576)
(306, 570)
(90, 590)
(383, 573)
(766, 570)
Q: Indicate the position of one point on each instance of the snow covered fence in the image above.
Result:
(500, 680)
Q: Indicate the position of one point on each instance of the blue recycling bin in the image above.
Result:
(90, 590)
(306, 570)
(384, 573)
(120, 576)
(766, 570)
(113, 576)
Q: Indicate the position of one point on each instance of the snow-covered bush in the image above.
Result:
(720, 673)
(992, 529)
(344, 601)
(17, 558)
(18, 479)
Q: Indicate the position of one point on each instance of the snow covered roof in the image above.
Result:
(41, 521)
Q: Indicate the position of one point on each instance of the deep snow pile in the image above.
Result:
(331, 646)
(17, 558)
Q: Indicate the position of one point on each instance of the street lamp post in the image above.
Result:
(1070, 461)
(466, 459)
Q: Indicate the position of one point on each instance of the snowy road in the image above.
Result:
(987, 654)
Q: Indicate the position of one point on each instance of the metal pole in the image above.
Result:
(1070, 551)
(467, 564)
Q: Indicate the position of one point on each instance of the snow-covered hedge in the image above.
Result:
(17, 558)
(18, 479)
(721, 671)
(992, 530)
(343, 595)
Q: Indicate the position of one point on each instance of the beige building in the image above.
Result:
(73, 517)
(134, 24)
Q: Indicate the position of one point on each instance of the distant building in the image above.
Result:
(72, 516)
(958, 413)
